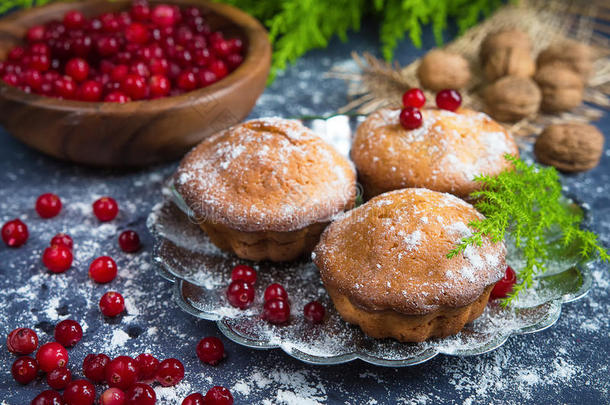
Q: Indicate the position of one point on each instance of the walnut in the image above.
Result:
(440, 70)
(512, 98)
(570, 147)
(507, 53)
(573, 54)
(562, 89)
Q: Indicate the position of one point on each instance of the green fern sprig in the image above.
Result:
(527, 202)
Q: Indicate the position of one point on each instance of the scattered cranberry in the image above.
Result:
(59, 378)
(79, 392)
(276, 310)
(22, 341)
(240, 294)
(112, 396)
(112, 304)
(411, 118)
(194, 399)
(103, 269)
(14, 233)
(57, 258)
(414, 98)
(51, 355)
(244, 273)
(210, 350)
(314, 312)
(448, 99)
(505, 285)
(68, 333)
(48, 397)
(62, 239)
(94, 367)
(122, 372)
(218, 396)
(48, 205)
(129, 241)
(140, 394)
(147, 366)
(24, 369)
(170, 372)
(105, 209)
(275, 291)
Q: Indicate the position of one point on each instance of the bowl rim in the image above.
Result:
(253, 30)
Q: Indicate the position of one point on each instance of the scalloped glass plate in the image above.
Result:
(201, 273)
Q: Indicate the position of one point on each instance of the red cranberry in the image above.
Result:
(129, 241)
(448, 99)
(40, 49)
(82, 46)
(77, 69)
(137, 33)
(35, 33)
(170, 372)
(221, 48)
(90, 91)
(207, 77)
(79, 392)
(187, 80)
(218, 396)
(103, 269)
(32, 78)
(505, 285)
(24, 369)
(219, 68)
(14, 233)
(63, 240)
(414, 98)
(194, 399)
(236, 45)
(140, 69)
(110, 23)
(240, 294)
(94, 367)
(134, 86)
(39, 62)
(48, 205)
(59, 378)
(16, 53)
(22, 341)
(65, 88)
(51, 355)
(112, 304)
(112, 396)
(275, 291)
(105, 209)
(163, 15)
(116, 97)
(11, 79)
(243, 272)
(74, 19)
(107, 46)
(234, 60)
(314, 312)
(411, 118)
(210, 350)
(48, 397)
(68, 333)
(276, 310)
(122, 372)
(158, 66)
(140, 11)
(57, 258)
(119, 73)
(140, 394)
(147, 366)
(160, 86)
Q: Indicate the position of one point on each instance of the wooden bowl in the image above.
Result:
(141, 132)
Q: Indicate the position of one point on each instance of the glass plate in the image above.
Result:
(201, 273)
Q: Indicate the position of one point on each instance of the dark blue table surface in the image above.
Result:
(567, 363)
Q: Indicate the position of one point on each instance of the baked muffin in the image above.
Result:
(265, 189)
(444, 154)
(385, 265)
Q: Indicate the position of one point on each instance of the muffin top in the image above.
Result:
(268, 174)
(391, 253)
(444, 154)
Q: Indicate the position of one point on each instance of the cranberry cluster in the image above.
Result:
(276, 308)
(412, 100)
(144, 53)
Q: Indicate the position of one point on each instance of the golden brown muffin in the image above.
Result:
(444, 154)
(265, 189)
(385, 265)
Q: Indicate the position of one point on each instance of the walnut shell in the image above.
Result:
(573, 54)
(512, 98)
(562, 89)
(506, 38)
(507, 53)
(570, 147)
(440, 70)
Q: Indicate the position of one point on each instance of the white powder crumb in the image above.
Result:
(242, 388)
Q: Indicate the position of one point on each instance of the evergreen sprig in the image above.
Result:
(528, 203)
